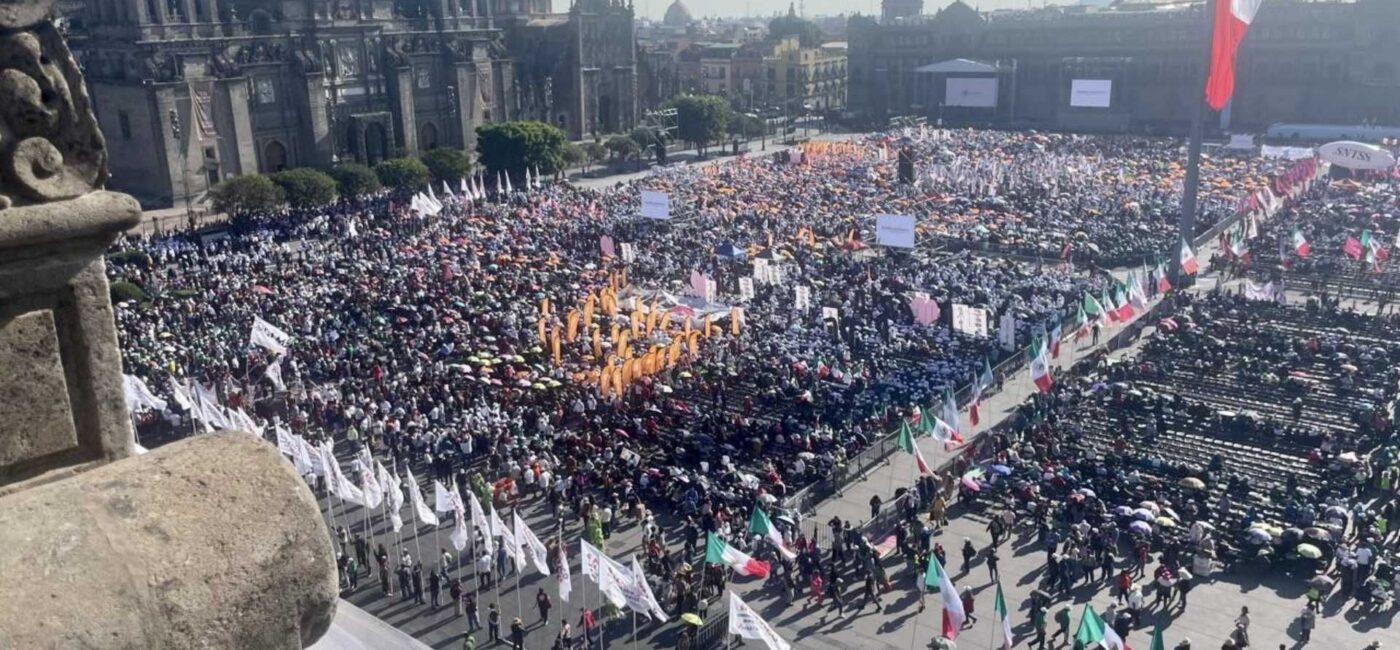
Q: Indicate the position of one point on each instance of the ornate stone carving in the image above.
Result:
(50, 146)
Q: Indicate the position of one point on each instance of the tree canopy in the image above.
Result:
(355, 179)
(513, 147)
(701, 119)
(402, 173)
(305, 187)
(247, 194)
(447, 164)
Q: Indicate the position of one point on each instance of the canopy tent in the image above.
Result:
(958, 66)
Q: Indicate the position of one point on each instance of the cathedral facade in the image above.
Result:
(192, 92)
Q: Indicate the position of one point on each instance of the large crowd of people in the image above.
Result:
(549, 342)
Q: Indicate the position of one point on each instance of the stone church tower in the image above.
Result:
(578, 71)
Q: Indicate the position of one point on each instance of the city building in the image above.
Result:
(810, 77)
(191, 92)
(1132, 65)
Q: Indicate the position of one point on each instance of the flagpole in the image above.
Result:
(1187, 222)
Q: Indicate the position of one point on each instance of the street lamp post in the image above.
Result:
(175, 132)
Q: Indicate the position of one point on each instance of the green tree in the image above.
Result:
(355, 179)
(622, 147)
(746, 126)
(447, 164)
(575, 157)
(513, 147)
(305, 187)
(806, 31)
(644, 136)
(246, 195)
(594, 152)
(701, 119)
(407, 174)
(123, 291)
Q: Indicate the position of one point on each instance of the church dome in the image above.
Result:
(677, 15)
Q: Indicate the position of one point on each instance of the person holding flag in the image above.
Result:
(1093, 629)
(954, 617)
(1040, 372)
(718, 552)
(760, 524)
(984, 381)
(1008, 638)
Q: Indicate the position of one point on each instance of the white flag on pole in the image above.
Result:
(394, 492)
(421, 511)
(302, 458)
(460, 535)
(605, 572)
(441, 501)
(746, 623)
(267, 335)
(644, 592)
(285, 444)
(499, 529)
(139, 395)
(181, 393)
(369, 482)
(480, 522)
(565, 575)
(274, 373)
(530, 546)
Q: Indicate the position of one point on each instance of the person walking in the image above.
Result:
(418, 583)
(969, 607)
(969, 553)
(1062, 619)
(493, 623)
(875, 504)
(473, 615)
(1307, 620)
(517, 634)
(435, 588)
(992, 560)
(543, 603)
(1039, 622)
(833, 590)
(872, 593)
(586, 624)
(454, 591)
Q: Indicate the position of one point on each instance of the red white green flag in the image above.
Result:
(717, 552)
(906, 443)
(760, 524)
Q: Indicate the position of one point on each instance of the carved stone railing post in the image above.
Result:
(213, 542)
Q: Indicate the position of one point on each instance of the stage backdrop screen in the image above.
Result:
(974, 92)
(1091, 93)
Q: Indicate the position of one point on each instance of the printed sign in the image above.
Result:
(656, 205)
(895, 230)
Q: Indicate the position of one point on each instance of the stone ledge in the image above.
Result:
(91, 215)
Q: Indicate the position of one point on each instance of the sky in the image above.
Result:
(708, 8)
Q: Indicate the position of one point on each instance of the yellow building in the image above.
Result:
(814, 77)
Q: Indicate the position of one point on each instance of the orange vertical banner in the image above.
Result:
(554, 344)
(544, 306)
(734, 314)
(541, 331)
(597, 343)
(573, 325)
(588, 309)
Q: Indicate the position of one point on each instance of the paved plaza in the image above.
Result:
(1274, 599)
